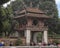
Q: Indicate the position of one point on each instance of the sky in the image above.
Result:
(57, 3)
(58, 6)
(5, 5)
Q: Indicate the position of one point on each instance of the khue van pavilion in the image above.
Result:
(31, 22)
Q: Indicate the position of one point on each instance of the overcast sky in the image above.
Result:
(58, 6)
(57, 2)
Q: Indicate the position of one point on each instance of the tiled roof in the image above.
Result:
(28, 9)
(34, 10)
(31, 12)
(33, 15)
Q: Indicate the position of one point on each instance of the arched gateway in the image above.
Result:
(31, 21)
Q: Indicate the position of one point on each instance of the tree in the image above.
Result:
(1, 2)
(6, 20)
(58, 27)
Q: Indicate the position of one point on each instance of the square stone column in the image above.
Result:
(45, 37)
(28, 36)
(35, 37)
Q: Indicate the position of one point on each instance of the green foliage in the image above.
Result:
(1, 20)
(58, 27)
(3, 1)
(2, 13)
(49, 8)
(55, 41)
(17, 5)
(6, 19)
(6, 25)
(39, 37)
(18, 42)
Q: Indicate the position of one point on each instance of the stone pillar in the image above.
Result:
(28, 36)
(16, 34)
(45, 37)
(35, 37)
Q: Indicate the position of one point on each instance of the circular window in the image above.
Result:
(35, 22)
(23, 21)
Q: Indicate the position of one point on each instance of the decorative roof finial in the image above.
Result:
(30, 4)
(24, 5)
(38, 6)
